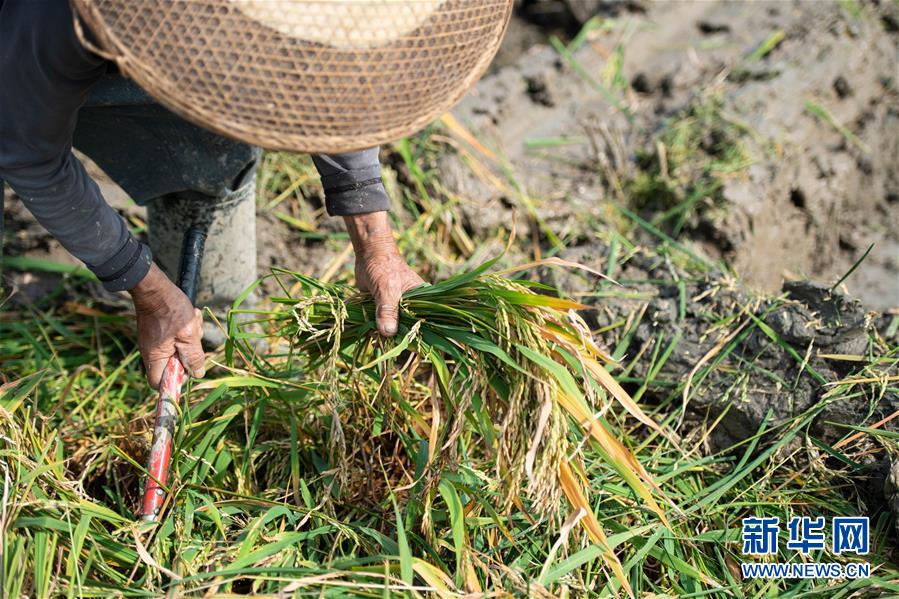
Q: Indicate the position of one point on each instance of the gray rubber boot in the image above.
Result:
(229, 262)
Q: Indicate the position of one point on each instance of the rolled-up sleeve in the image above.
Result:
(352, 182)
(45, 75)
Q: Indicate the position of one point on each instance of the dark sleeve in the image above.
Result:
(352, 182)
(45, 75)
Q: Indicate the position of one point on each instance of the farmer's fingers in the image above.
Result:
(413, 281)
(190, 348)
(155, 368)
(193, 358)
(387, 314)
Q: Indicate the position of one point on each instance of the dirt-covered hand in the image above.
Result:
(167, 324)
(380, 269)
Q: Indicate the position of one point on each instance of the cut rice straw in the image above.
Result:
(500, 373)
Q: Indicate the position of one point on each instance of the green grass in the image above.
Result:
(682, 179)
(825, 115)
(301, 471)
(766, 47)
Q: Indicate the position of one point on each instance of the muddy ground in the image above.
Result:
(800, 199)
(769, 131)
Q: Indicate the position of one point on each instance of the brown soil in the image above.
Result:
(809, 202)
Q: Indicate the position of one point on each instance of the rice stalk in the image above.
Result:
(481, 365)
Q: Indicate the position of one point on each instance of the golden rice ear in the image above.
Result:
(534, 413)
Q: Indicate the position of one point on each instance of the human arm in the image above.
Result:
(380, 269)
(353, 190)
(46, 75)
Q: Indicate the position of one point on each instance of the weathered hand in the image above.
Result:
(167, 324)
(386, 277)
(380, 269)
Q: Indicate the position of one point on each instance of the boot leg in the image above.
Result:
(229, 262)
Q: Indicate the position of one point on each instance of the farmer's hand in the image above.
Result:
(380, 269)
(167, 323)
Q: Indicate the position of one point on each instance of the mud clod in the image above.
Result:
(797, 198)
(642, 85)
(710, 27)
(842, 87)
(772, 367)
(829, 320)
(539, 92)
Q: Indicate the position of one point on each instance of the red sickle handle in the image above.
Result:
(173, 378)
(163, 435)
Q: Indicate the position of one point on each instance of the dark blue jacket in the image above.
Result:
(46, 76)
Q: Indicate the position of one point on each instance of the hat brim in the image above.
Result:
(213, 64)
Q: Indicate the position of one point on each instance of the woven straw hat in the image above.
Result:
(321, 76)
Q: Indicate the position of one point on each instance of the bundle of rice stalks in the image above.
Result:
(484, 371)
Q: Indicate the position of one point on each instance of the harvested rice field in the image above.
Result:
(662, 318)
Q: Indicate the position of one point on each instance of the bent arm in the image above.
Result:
(45, 75)
(67, 202)
(354, 190)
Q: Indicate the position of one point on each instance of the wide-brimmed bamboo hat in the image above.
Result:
(321, 76)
